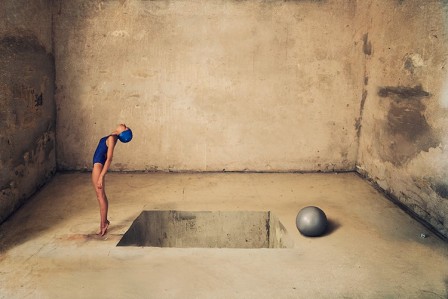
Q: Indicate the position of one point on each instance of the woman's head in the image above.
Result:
(124, 133)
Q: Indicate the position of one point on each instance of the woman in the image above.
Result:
(101, 163)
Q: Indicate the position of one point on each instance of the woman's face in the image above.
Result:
(121, 128)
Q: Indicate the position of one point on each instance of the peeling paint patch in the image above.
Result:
(413, 62)
(120, 33)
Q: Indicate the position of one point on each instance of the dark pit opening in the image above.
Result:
(206, 229)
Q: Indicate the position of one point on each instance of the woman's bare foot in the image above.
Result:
(103, 229)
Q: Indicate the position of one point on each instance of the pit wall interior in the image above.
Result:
(229, 86)
(206, 229)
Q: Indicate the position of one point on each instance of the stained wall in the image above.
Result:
(209, 85)
(403, 140)
(229, 85)
(27, 108)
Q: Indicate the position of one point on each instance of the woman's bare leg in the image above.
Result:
(101, 197)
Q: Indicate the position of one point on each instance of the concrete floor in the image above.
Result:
(373, 249)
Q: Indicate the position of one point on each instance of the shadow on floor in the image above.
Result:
(47, 209)
(333, 225)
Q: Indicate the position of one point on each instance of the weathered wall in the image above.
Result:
(27, 108)
(234, 85)
(209, 85)
(404, 139)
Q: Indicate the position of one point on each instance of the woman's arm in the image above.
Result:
(111, 141)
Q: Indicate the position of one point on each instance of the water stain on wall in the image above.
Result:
(26, 102)
(441, 189)
(27, 117)
(406, 131)
(18, 44)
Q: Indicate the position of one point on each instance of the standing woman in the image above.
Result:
(101, 163)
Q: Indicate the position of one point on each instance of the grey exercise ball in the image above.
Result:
(311, 221)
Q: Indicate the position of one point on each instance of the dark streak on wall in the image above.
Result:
(358, 124)
(409, 93)
(367, 45)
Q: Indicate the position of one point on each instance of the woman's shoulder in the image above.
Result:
(112, 137)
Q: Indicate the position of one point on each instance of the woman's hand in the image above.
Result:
(99, 184)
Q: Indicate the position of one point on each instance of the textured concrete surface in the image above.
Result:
(210, 85)
(373, 250)
(27, 107)
(404, 141)
(235, 85)
(261, 86)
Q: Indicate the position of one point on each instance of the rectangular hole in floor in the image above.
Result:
(206, 229)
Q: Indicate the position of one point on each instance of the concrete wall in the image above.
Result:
(404, 139)
(27, 108)
(209, 85)
(234, 85)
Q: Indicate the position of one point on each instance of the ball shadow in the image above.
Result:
(333, 225)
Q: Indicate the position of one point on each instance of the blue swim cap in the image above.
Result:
(125, 136)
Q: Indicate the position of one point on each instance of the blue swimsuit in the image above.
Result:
(100, 155)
